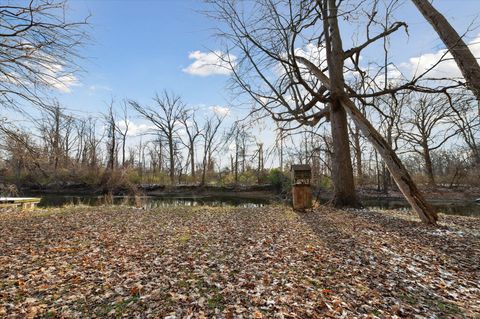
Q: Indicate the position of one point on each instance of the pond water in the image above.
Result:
(151, 201)
(55, 200)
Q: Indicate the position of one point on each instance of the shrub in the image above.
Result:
(279, 180)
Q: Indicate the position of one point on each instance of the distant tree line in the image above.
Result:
(437, 141)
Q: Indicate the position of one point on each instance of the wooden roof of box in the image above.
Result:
(300, 167)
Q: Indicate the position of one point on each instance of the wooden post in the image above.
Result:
(301, 189)
(302, 196)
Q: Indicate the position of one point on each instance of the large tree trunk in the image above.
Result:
(464, 58)
(395, 166)
(428, 164)
(342, 171)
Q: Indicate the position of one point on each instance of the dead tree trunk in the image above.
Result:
(236, 162)
(466, 61)
(172, 159)
(395, 166)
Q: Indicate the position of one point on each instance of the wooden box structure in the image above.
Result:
(301, 188)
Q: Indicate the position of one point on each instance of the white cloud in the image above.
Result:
(48, 75)
(220, 110)
(135, 129)
(395, 76)
(65, 83)
(446, 69)
(49, 71)
(57, 78)
(37, 68)
(313, 53)
(95, 88)
(211, 63)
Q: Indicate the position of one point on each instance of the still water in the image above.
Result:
(151, 201)
(55, 200)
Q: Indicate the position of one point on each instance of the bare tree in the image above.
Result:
(111, 124)
(69, 138)
(122, 128)
(24, 153)
(166, 118)
(210, 144)
(261, 164)
(466, 61)
(397, 169)
(190, 124)
(427, 127)
(240, 136)
(51, 127)
(268, 37)
(38, 50)
(467, 122)
(269, 42)
(92, 142)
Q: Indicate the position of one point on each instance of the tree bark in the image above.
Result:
(56, 142)
(358, 155)
(395, 166)
(281, 154)
(466, 61)
(124, 137)
(192, 158)
(236, 163)
(172, 160)
(428, 164)
(342, 170)
(204, 171)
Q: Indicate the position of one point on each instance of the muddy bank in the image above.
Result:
(441, 194)
(260, 191)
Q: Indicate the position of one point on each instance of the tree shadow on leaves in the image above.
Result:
(404, 261)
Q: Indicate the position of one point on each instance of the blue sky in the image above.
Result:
(140, 47)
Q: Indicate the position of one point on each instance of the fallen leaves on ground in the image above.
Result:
(226, 262)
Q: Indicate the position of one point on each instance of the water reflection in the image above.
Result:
(151, 201)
